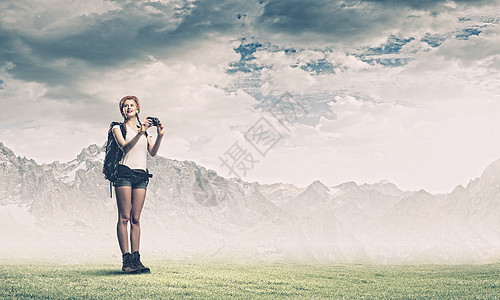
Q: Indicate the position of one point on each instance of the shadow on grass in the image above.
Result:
(105, 273)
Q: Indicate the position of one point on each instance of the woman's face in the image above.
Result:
(129, 108)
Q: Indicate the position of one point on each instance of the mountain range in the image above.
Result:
(65, 210)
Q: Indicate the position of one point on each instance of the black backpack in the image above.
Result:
(113, 155)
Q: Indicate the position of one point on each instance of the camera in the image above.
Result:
(154, 121)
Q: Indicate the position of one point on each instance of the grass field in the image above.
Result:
(216, 280)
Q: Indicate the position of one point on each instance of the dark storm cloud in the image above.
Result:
(114, 38)
(346, 21)
(339, 21)
(60, 53)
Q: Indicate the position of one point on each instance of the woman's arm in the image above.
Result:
(124, 145)
(153, 149)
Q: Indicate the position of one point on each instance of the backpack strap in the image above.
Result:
(122, 127)
(124, 130)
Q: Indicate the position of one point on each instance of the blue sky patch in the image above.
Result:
(247, 50)
(319, 67)
(384, 54)
(433, 40)
(393, 45)
(467, 32)
(389, 61)
(244, 64)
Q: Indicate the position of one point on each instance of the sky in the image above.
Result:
(269, 91)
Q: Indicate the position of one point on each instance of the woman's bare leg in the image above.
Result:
(124, 203)
(138, 197)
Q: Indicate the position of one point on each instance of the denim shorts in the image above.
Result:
(137, 179)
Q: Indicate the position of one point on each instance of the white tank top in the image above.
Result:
(136, 157)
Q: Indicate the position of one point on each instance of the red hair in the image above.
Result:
(122, 101)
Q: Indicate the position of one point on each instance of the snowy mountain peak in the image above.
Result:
(318, 185)
(348, 184)
(422, 193)
(492, 172)
(316, 192)
(5, 153)
(385, 187)
(91, 151)
(458, 189)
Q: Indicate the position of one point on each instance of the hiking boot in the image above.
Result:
(128, 264)
(136, 261)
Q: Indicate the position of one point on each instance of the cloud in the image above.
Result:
(359, 23)
(327, 21)
(429, 4)
(57, 50)
(478, 49)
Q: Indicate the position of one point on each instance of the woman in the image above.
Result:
(132, 179)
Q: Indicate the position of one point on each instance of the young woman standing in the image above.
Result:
(132, 180)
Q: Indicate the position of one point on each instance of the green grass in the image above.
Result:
(189, 279)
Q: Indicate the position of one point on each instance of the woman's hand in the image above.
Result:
(145, 125)
(153, 149)
(160, 129)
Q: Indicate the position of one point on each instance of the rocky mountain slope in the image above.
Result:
(62, 208)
